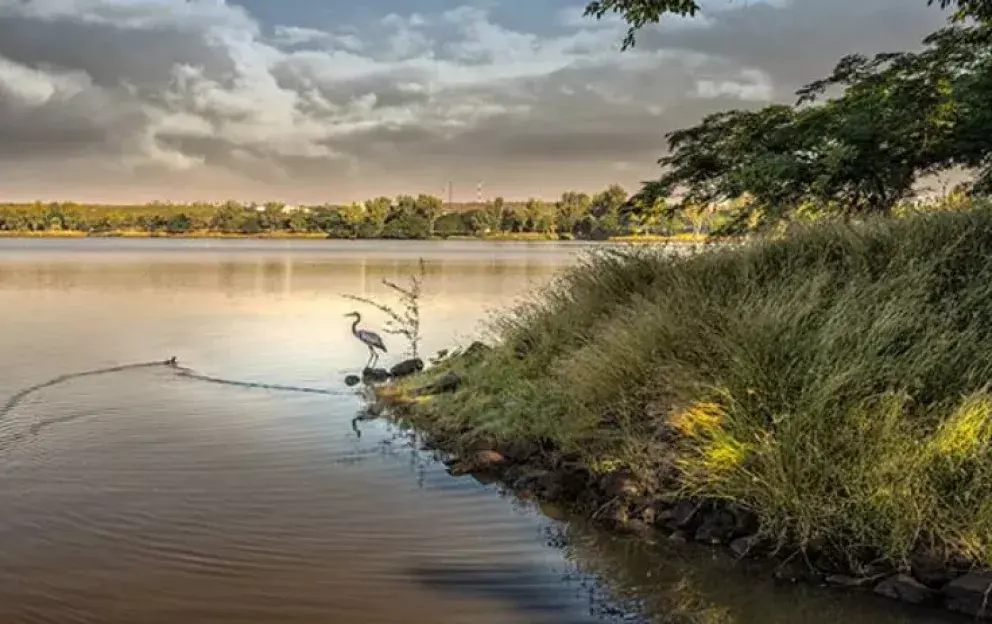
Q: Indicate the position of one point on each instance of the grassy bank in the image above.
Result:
(835, 383)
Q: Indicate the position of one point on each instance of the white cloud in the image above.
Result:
(31, 87)
(754, 86)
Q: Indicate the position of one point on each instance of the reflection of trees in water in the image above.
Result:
(667, 589)
(491, 278)
(694, 584)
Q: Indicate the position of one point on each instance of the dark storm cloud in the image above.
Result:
(109, 55)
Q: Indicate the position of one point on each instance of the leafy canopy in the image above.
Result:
(892, 119)
(639, 13)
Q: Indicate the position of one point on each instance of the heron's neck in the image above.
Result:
(354, 326)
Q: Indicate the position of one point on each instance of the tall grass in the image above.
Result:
(834, 381)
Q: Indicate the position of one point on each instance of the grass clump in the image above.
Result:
(834, 381)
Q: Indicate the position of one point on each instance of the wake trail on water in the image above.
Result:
(17, 398)
(181, 372)
(190, 374)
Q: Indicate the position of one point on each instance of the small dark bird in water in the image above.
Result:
(371, 340)
(172, 361)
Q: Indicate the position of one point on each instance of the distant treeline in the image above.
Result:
(575, 215)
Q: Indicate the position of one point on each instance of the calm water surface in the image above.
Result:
(146, 497)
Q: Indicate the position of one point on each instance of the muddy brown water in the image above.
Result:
(145, 497)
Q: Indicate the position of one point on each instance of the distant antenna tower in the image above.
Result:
(479, 197)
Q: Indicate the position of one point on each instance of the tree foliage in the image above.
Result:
(889, 121)
(640, 13)
(574, 215)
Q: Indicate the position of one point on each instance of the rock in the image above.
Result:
(907, 589)
(352, 380)
(519, 450)
(407, 367)
(970, 594)
(843, 580)
(449, 382)
(486, 460)
(550, 487)
(478, 444)
(745, 546)
(931, 571)
(745, 521)
(475, 349)
(828, 563)
(633, 525)
(649, 515)
(573, 479)
(620, 485)
(664, 516)
(685, 514)
(512, 474)
(483, 478)
(717, 527)
(560, 459)
(375, 374)
(679, 537)
(553, 511)
(528, 479)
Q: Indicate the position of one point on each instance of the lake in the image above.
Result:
(145, 496)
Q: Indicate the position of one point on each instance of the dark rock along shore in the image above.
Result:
(616, 501)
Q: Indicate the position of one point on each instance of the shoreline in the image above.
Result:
(616, 501)
(509, 238)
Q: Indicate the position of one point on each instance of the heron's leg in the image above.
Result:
(372, 358)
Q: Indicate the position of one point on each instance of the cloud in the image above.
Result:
(202, 98)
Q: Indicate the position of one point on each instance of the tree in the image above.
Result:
(607, 201)
(429, 208)
(899, 117)
(229, 217)
(538, 216)
(299, 221)
(570, 208)
(352, 218)
(980, 10)
(640, 13)
(489, 218)
(376, 212)
(643, 217)
(179, 224)
(605, 207)
(496, 210)
(403, 206)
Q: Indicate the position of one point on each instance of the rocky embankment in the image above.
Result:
(537, 470)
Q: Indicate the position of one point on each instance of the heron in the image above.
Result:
(371, 340)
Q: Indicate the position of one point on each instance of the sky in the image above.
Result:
(332, 101)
